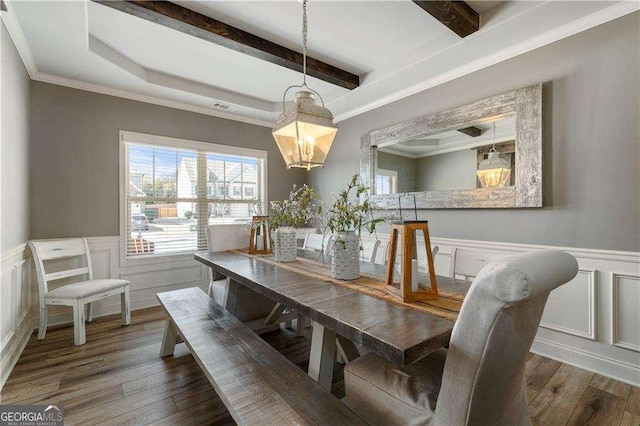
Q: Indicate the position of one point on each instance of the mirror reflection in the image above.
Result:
(472, 157)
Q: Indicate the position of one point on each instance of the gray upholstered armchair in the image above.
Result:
(479, 380)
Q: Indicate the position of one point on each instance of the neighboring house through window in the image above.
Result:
(386, 181)
(175, 188)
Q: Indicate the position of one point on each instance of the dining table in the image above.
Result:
(345, 314)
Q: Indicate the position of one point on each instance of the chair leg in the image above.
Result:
(79, 337)
(42, 327)
(125, 306)
(89, 311)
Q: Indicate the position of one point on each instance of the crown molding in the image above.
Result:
(96, 88)
(603, 16)
(19, 40)
(608, 14)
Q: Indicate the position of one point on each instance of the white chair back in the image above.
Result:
(369, 249)
(382, 253)
(227, 236)
(466, 263)
(317, 242)
(45, 250)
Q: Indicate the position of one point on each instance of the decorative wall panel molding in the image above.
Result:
(15, 307)
(625, 311)
(593, 329)
(578, 297)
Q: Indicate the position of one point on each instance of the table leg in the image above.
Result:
(322, 357)
(169, 339)
(347, 349)
(231, 296)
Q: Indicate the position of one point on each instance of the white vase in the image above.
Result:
(345, 259)
(284, 244)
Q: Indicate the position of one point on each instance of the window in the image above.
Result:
(386, 181)
(172, 189)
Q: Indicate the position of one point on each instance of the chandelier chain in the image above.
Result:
(304, 41)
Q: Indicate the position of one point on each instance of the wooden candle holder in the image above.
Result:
(259, 229)
(409, 254)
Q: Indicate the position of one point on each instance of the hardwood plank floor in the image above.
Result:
(118, 378)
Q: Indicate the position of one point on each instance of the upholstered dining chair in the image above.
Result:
(77, 294)
(479, 380)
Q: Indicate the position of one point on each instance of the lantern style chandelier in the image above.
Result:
(493, 171)
(304, 133)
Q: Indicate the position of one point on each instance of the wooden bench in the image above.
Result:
(258, 385)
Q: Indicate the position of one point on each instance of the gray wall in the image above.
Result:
(406, 168)
(74, 161)
(14, 152)
(591, 133)
(452, 170)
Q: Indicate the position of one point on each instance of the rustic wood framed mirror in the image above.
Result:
(437, 157)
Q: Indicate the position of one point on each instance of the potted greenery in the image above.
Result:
(348, 216)
(301, 208)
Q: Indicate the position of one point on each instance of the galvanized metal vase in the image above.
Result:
(345, 259)
(284, 244)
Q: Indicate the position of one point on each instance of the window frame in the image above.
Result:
(393, 183)
(170, 142)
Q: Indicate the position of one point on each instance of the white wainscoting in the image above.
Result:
(19, 291)
(16, 292)
(593, 322)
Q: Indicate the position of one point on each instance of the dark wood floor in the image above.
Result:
(118, 378)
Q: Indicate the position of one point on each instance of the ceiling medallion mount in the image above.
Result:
(304, 133)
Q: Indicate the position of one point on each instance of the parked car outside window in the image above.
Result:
(139, 222)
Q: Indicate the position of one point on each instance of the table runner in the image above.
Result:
(446, 306)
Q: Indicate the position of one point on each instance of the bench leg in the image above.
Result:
(169, 339)
(125, 306)
(322, 357)
(79, 336)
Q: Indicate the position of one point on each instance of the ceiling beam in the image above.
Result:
(456, 15)
(193, 23)
(472, 131)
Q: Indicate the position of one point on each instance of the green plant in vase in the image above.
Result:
(350, 213)
(302, 208)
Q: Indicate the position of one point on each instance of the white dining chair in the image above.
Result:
(76, 294)
(466, 264)
(369, 249)
(317, 242)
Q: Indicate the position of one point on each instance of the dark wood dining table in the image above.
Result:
(398, 333)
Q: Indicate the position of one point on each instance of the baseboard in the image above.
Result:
(618, 370)
(13, 349)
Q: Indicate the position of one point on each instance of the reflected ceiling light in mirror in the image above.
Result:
(493, 171)
(305, 132)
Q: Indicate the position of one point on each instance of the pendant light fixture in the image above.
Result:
(493, 172)
(304, 133)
